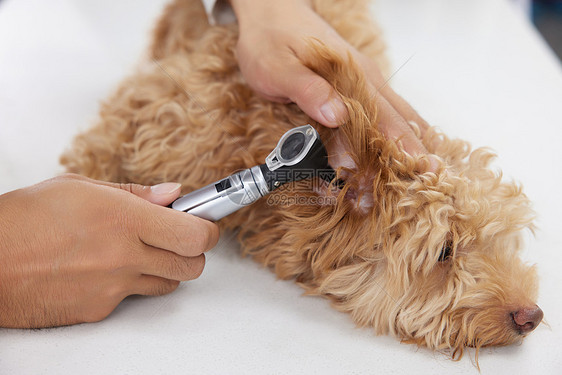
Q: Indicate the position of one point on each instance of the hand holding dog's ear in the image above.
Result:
(71, 249)
(275, 35)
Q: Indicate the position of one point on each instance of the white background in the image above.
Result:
(479, 71)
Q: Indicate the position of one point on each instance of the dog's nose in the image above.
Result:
(527, 319)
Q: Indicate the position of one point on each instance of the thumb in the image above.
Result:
(161, 194)
(316, 97)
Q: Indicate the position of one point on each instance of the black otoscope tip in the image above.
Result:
(314, 164)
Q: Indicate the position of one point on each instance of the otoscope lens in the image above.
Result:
(292, 146)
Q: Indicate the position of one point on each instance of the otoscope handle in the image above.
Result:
(221, 198)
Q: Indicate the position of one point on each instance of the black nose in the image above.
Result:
(527, 319)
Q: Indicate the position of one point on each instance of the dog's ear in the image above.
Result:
(361, 137)
(183, 22)
(350, 83)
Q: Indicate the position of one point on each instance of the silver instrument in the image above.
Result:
(298, 149)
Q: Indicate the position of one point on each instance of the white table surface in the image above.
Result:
(479, 71)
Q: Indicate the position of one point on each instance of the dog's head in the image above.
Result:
(429, 257)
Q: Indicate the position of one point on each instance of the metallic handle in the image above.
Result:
(219, 199)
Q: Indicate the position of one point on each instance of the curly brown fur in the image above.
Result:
(375, 253)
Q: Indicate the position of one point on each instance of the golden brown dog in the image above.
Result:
(429, 257)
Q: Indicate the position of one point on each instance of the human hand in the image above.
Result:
(71, 249)
(274, 34)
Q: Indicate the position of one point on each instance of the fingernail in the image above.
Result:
(165, 188)
(333, 111)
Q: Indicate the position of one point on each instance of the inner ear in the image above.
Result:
(446, 251)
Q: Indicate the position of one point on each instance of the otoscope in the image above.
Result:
(299, 154)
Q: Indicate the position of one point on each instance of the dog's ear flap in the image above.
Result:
(183, 22)
(350, 83)
(342, 72)
(365, 143)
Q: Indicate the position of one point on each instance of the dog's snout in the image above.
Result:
(527, 319)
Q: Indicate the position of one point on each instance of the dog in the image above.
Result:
(431, 258)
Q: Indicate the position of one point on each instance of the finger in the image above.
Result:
(161, 194)
(405, 110)
(164, 228)
(397, 119)
(168, 265)
(413, 128)
(380, 84)
(394, 126)
(148, 285)
(313, 94)
(179, 232)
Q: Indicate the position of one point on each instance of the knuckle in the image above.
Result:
(196, 266)
(187, 268)
(174, 266)
(313, 87)
(212, 236)
(68, 176)
(395, 127)
(166, 287)
(192, 237)
(205, 238)
(116, 292)
(129, 216)
(199, 241)
(171, 286)
(261, 83)
(125, 229)
(126, 186)
(397, 121)
(259, 77)
(97, 314)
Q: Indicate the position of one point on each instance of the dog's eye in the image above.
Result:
(446, 251)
